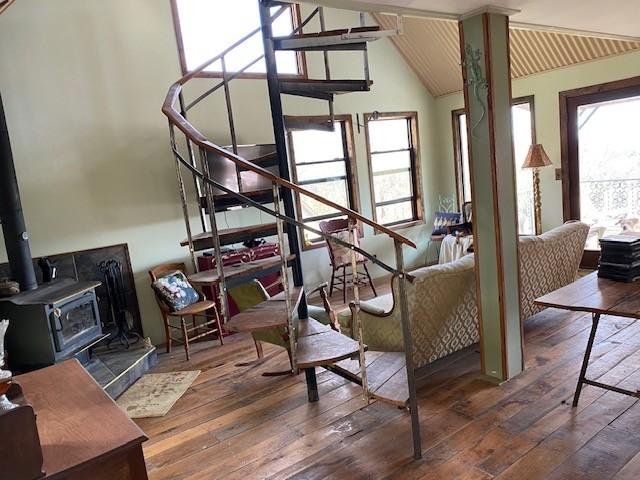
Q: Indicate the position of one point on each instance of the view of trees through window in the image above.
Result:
(205, 28)
(609, 166)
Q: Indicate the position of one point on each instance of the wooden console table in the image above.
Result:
(83, 433)
(598, 296)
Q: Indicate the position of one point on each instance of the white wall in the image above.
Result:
(545, 87)
(82, 83)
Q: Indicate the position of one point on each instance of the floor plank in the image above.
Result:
(233, 423)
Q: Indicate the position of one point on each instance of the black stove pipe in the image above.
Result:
(14, 230)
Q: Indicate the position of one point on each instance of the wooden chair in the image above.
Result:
(195, 311)
(341, 257)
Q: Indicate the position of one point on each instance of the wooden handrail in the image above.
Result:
(197, 138)
(4, 4)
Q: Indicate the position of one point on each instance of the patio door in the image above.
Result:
(600, 130)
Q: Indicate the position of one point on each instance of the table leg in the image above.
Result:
(585, 361)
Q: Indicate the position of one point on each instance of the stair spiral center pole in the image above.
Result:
(285, 278)
(356, 312)
(222, 284)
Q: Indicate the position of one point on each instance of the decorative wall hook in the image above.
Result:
(475, 79)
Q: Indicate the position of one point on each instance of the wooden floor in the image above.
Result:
(235, 424)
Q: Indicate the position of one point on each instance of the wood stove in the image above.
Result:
(54, 322)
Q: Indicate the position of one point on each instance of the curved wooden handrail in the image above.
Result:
(4, 4)
(198, 139)
(193, 134)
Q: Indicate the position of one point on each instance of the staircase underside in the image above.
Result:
(386, 376)
(204, 241)
(240, 272)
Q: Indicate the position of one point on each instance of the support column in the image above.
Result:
(484, 45)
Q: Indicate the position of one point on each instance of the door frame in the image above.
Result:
(570, 100)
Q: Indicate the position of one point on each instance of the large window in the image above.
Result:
(522, 114)
(394, 167)
(324, 163)
(205, 28)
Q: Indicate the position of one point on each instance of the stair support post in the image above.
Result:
(222, 284)
(356, 313)
(192, 160)
(280, 138)
(365, 52)
(183, 196)
(327, 65)
(408, 351)
(232, 125)
(285, 279)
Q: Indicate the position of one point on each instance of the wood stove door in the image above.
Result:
(75, 323)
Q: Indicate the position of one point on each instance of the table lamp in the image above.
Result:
(536, 159)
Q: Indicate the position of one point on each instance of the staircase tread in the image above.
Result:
(231, 235)
(265, 315)
(332, 33)
(319, 88)
(320, 81)
(210, 277)
(386, 376)
(322, 347)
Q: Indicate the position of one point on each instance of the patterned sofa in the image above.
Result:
(443, 313)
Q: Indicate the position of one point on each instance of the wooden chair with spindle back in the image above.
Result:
(340, 256)
(197, 310)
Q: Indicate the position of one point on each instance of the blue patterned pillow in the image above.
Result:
(175, 291)
(444, 219)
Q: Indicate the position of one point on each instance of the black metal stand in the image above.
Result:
(582, 380)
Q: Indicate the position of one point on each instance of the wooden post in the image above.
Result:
(484, 45)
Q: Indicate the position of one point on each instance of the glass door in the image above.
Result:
(602, 144)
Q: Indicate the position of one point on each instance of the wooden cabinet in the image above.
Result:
(83, 433)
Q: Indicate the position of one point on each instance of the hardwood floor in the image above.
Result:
(235, 424)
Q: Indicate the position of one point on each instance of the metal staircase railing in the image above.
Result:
(176, 109)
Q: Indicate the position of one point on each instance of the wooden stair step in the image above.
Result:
(341, 39)
(204, 240)
(239, 272)
(386, 376)
(267, 315)
(323, 89)
(322, 346)
(224, 201)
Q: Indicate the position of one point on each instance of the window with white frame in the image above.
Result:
(205, 28)
(394, 167)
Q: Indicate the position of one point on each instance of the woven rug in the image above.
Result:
(155, 393)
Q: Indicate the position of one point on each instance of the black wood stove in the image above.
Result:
(54, 322)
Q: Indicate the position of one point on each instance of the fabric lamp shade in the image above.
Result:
(536, 157)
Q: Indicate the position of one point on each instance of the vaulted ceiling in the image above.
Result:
(431, 48)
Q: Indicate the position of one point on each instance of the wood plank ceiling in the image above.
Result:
(431, 48)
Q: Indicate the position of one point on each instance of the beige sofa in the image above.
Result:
(443, 314)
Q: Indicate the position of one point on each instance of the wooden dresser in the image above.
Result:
(82, 431)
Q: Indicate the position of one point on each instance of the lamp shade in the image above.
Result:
(536, 157)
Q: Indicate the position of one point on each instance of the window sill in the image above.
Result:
(402, 226)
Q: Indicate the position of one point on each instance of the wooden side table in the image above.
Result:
(83, 433)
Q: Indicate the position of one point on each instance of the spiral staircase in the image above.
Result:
(258, 177)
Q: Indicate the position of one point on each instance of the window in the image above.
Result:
(205, 28)
(394, 167)
(522, 115)
(323, 162)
